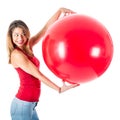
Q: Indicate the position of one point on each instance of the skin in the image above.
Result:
(19, 59)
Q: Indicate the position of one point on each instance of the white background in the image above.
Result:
(95, 100)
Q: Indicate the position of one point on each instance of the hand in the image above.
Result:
(66, 11)
(67, 87)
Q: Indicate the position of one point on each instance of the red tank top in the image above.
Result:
(30, 87)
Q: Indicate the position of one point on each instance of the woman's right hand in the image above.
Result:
(67, 87)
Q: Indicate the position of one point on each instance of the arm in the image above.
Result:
(35, 39)
(18, 59)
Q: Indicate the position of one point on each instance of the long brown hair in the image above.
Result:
(10, 45)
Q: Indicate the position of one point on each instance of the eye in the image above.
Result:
(16, 35)
(23, 34)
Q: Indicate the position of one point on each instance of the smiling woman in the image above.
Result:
(96, 100)
(21, 56)
(19, 37)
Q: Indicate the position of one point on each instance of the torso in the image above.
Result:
(30, 87)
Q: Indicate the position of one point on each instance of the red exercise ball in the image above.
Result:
(77, 48)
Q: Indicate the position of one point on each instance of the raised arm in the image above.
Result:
(36, 38)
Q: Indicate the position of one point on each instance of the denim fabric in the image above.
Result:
(23, 110)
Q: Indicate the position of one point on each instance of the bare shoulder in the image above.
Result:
(16, 54)
(17, 57)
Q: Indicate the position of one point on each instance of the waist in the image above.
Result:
(29, 81)
(29, 93)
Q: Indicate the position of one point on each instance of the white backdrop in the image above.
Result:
(95, 100)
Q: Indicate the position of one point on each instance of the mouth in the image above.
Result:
(20, 41)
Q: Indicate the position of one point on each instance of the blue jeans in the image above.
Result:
(23, 110)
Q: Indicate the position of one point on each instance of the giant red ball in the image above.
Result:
(77, 48)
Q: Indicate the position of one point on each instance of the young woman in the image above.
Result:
(21, 56)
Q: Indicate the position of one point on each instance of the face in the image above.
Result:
(19, 37)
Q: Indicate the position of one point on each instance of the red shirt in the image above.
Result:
(30, 87)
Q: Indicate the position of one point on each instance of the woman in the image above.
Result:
(21, 56)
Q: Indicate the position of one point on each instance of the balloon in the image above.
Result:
(77, 48)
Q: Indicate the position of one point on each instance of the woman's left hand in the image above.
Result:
(66, 11)
(67, 87)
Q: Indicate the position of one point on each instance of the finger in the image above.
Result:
(63, 82)
(66, 13)
(75, 85)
